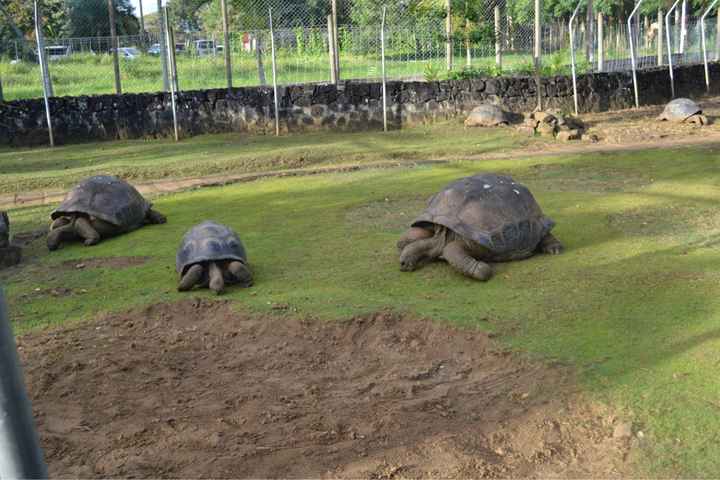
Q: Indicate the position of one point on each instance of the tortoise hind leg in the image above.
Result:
(551, 245)
(217, 282)
(240, 273)
(192, 277)
(456, 254)
(153, 217)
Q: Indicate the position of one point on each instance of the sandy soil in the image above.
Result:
(194, 389)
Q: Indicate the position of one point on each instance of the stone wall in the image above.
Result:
(349, 106)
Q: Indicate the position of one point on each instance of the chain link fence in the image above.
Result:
(333, 40)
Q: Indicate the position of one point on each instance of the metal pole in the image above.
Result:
(2, 98)
(704, 50)
(336, 45)
(170, 67)
(669, 46)
(572, 54)
(589, 34)
(114, 43)
(660, 37)
(717, 36)
(20, 454)
(331, 51)
(274, 74)
(142, 19)
(683, 25)
(498, 39)
(632, 52)
(384, 76)
(448, 35)
(226, 39)
(163, 47)
(537, 50)
(47, 85)
(600, 36)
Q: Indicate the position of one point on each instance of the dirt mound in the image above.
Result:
(193, 389)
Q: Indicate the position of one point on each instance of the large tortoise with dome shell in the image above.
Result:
(475, 220)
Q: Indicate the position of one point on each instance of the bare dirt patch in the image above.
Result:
(193, 389)
(104, 262)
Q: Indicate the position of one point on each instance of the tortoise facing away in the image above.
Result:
(212, 255)
(478, 219)
(683, 110)
(100, 207)
(487, 115)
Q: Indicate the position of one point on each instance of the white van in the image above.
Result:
(57, 52)
(205, 47)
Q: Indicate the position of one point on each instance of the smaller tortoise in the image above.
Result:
(683, 110)
(487, 115)
(212, 255)
(9, 254)
(100, 207)
(478, 219)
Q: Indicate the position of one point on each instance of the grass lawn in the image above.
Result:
(633, 304)
(34, 169)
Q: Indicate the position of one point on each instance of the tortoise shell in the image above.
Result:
(108, 198)
(209, 241)
(491, 210)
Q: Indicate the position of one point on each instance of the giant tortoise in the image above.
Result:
(211, 255)
(487, 115)
(100, 207)
(683, 110)
(478, 219)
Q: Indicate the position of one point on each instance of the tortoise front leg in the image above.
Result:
(416, 253)
(551, 245)
(240, 273)
(456, 254)
(153, 217)
(217, 283)
(86, 231)
(59, 234)
(413, 234)
(192, 277)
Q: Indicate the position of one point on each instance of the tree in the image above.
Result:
(89, 18)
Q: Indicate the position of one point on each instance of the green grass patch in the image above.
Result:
(633, 304)
(33, 169)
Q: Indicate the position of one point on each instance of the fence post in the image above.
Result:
(384, 75)
(590, 34)
(498, 39)
(171, 67)
(163, 47)
(274, 74)
(632, 52)
(537, 51)
(669, 46)
(336, 45)
(226, 39)
(683, 26)
(717, 35)
(572, 54)
(331, 51)
(448, 35)
(20, 454)
(47, 84)
(601, 47)
(660, 37)
(2, 98)
(114, 45)
(704, 49)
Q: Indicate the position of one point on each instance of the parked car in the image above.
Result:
(128, 53)
(57, 52)
(154, 49)
(205, 47)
